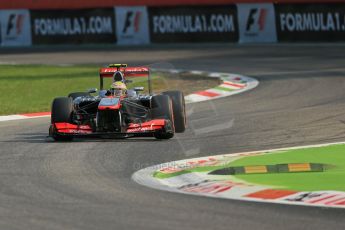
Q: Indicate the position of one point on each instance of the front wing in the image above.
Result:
(145, 129)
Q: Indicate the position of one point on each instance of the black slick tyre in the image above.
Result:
(162, 109)
(62, 108)
(179, 109)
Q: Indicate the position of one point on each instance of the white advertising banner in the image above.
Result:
(256, 23)
(15, 28)
(132, 25)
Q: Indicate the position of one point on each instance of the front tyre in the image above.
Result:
(162, 109)
(62, 108)
(179, 109)
(167, 133)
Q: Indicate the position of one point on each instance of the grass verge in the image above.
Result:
(31, 88)
(331, 179)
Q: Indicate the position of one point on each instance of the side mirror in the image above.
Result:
(139, 88)
(103, 93)
(92, 90)
(128, 81)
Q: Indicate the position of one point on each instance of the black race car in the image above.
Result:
(124, 115)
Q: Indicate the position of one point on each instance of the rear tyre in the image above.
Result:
(179, 109)
(162, 109)
(62, 108)
(78, 94)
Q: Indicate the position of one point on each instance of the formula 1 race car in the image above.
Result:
(118, 112)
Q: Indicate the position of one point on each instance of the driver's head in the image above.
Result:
(118, 76)
(118, 88)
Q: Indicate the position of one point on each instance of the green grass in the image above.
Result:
(331, 179)
(161, 175)
(31, 88)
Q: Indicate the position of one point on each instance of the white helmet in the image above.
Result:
(118, 88)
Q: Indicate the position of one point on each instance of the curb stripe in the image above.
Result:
(36, 114)
(207, 94)
(271, 194)
(12, 117)
(323, 198)
(196, 98)
(224, 88)
(218, 91)
(233, 84)
(229, 87)
(225, 186)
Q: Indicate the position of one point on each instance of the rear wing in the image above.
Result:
(127, 72)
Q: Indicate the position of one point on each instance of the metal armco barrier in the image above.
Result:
(130, 25)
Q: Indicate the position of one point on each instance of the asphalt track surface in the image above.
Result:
(87, 184)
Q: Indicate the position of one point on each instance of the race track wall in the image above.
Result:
(223, 21)
(82, 4)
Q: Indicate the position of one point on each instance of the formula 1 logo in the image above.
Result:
(132, 22)
(256, 21)
(132, 25)
(14, 25)
(15, 28)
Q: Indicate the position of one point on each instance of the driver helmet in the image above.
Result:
(118, 88)
(118, 76)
